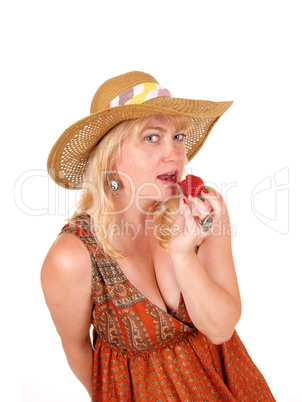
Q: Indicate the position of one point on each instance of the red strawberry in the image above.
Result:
(192, 185)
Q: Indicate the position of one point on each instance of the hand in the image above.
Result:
(187, 232)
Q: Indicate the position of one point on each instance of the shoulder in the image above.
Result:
(216, 194)
(67, 261)
(68, 250)
(66, 282)
(217, 201)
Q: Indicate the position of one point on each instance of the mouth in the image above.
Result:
(168, 178)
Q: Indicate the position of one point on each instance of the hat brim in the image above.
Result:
(68, 158)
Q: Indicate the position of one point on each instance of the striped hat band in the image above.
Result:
(139, 94)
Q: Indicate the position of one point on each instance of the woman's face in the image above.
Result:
(151, 163)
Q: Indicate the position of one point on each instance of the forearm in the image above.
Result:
(211, 308)
(80, 360)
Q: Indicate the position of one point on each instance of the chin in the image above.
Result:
(169, 194)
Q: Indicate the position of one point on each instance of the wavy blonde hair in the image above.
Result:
(96, 194)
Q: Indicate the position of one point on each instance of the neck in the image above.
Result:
(134, 215)
(132, 220)
(132, 208)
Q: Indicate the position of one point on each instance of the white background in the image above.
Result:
(54, 56)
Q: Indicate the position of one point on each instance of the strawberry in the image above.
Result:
(192, 185)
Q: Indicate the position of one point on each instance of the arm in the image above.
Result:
(66, 283)
(207, 280)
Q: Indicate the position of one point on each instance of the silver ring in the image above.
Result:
(206, 223)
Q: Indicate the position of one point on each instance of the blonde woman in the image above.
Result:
(136, 262)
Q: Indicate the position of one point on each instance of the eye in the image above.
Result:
(180, 137)
(151, 138)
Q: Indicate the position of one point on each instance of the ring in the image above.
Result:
(206, 223)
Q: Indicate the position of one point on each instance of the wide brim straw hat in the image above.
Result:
(128, 96)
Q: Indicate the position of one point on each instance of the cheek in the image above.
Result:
(183, 158)
(132, 172)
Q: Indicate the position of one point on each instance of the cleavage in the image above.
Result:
(153, 277)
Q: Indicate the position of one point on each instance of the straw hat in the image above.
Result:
(128, 96)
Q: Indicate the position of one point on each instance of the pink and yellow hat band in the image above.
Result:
(139, 94)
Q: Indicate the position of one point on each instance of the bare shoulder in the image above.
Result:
(218, 197)
(67, 254)
(66, 282)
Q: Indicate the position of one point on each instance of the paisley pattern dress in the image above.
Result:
(142, 353)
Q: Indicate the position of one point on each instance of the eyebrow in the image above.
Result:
(154, 128)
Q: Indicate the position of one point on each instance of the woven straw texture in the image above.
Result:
(68, 159)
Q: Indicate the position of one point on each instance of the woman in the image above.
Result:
(163, 299)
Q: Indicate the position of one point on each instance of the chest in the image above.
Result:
(150, 270)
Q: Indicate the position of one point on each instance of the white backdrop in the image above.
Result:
(54, 57)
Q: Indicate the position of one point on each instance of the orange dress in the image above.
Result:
(142, 353)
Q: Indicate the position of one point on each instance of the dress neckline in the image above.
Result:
(169, 311)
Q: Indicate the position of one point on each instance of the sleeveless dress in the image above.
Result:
(142, 353)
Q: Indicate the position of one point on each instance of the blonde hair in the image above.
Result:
(96, 194)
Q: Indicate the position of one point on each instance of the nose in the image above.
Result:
(172, 151)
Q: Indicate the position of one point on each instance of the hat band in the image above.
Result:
(139, 94)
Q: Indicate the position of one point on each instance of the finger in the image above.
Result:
(190, 222)
(199, 206)
(179, 224)
(187, 209)
(214, 202)
(181, 209)
(194, 226)
(181, 206)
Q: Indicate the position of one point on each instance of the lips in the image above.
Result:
(168, 178)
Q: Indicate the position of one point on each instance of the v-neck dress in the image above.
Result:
(143, 353)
